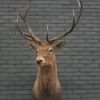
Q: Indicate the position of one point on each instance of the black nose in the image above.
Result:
(39, 61)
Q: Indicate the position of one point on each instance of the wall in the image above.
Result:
(79, 69)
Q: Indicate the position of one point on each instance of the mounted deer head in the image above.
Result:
(47, 46)
(45, 51)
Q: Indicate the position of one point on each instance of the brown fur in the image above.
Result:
(47, 85)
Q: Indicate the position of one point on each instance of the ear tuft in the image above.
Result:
(59, 45)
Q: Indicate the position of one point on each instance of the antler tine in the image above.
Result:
(80, 6)
(19, 30)
(47, 37)
(27, 35)
(28, 6)
(74, 23)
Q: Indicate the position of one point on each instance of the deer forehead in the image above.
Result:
(44, 46)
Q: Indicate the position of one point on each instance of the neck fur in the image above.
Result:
(47, 74)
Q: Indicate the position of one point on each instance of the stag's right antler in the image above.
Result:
(27, 35)
(74, 23)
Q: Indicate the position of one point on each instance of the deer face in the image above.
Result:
(45, 53)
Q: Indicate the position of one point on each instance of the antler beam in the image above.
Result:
(27, 35)
(74, 23)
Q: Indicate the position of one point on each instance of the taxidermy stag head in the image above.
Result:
(47, 85)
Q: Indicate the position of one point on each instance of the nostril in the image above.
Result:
(38, 61)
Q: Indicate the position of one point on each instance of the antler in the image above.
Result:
(27, 35)
(47, 37)
(74, 23)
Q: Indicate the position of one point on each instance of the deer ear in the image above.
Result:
(30, 45)
(59, 45)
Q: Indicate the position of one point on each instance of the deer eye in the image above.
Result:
(37, 50)
(50, 50)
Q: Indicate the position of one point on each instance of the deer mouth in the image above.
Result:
(43, 64)
(40, 63)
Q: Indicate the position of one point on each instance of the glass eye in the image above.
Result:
(37, 50)
(50, 50)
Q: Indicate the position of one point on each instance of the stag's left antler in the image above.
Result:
(74, 23)
(27, 35)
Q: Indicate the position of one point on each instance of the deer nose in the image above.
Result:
(39, 60)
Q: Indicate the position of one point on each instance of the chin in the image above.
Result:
(44, 65)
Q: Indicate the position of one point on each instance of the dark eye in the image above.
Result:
(50, 50)
(37, 50)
